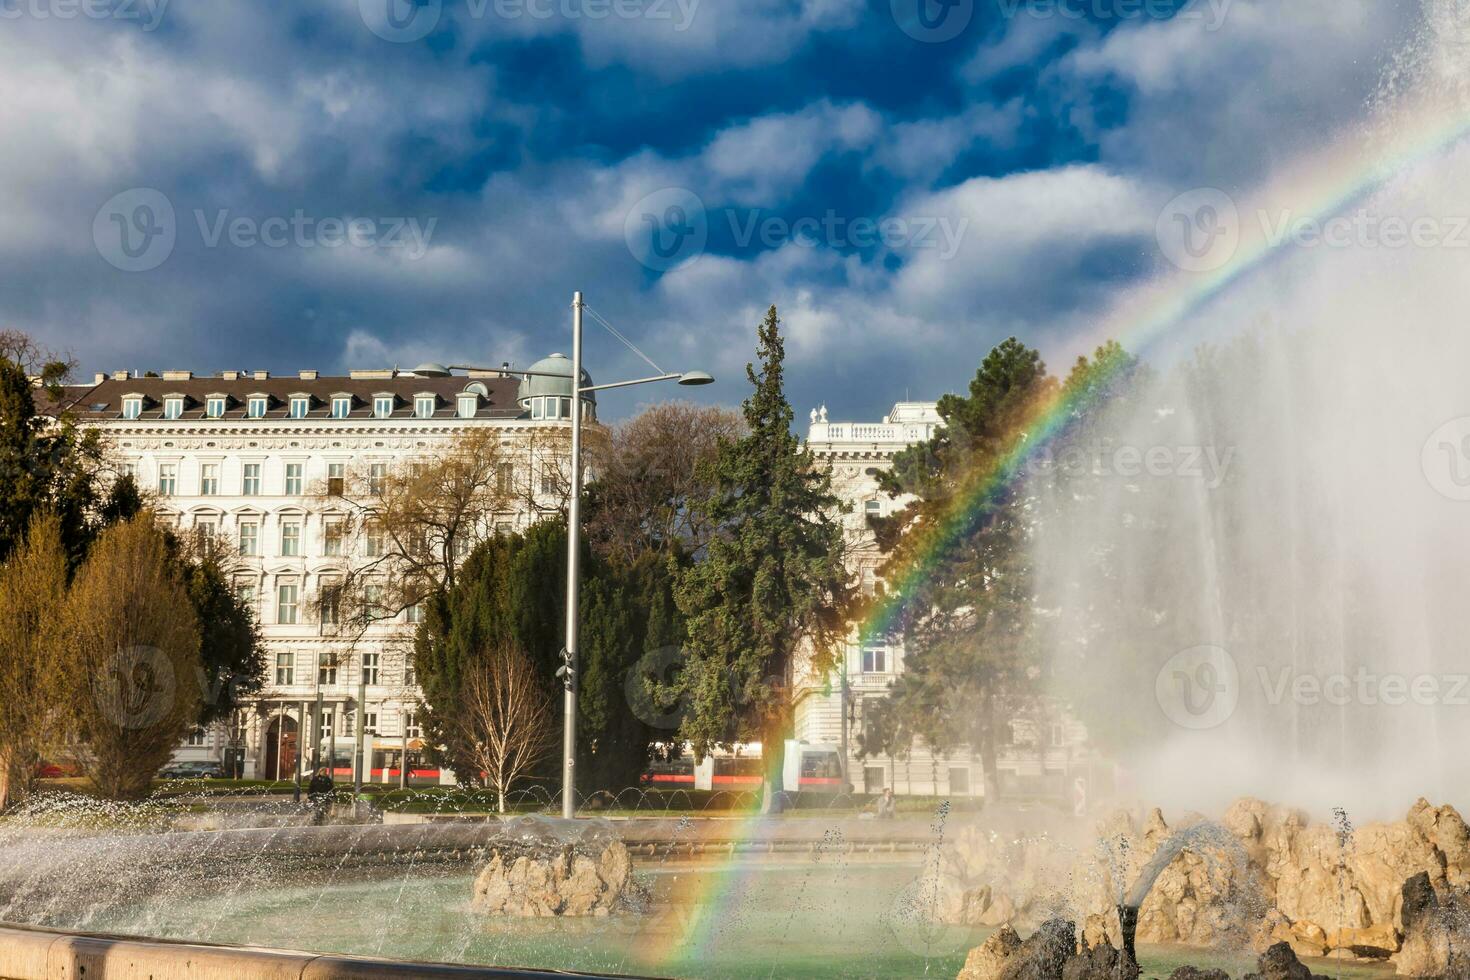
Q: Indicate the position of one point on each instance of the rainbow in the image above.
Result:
(712, 896)
(1319, 187)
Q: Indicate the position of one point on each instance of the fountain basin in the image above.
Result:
(728, 898)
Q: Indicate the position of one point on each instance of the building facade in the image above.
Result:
(1044, 755)
(274, 467)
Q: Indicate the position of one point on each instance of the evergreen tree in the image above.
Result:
(32, 689)
(23, 469)
(972, 655)
(773, 580)
(46, 465)
(233, 664)
(512, 590)
(458, 626)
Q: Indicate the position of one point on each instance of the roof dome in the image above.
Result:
(537, 385)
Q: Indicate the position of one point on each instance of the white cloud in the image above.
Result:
(1019, 233)
(672, 38)
(759, 162)
(1228, 104)
(1025, 38)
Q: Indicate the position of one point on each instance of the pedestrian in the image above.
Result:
(319, 792)
(886, 807)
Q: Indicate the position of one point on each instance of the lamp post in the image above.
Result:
(568, 671)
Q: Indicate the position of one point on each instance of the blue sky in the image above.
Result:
(337, 184)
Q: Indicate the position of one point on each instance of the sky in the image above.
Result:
(337, 184)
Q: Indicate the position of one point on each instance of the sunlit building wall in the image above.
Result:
(269, 466)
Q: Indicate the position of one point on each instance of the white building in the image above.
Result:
(266, 463)
(1044, 756)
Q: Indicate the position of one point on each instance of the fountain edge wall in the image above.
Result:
(33, 953)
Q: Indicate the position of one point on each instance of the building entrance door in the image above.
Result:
(281, 748)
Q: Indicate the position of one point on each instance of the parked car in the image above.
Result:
(57, 770)
(193, 770)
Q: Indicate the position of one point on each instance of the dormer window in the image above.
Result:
(133, 407)
(341, 406)
(173, 407)
(425, 405)
(257, 405)
(300, 406)
(214, 406)
(469, 405)
(383, 406)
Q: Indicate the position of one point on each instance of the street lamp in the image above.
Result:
(568, 671)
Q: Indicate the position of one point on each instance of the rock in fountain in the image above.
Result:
(1051, 954)
(1263, 875)
(1279, 962)
(1431, 927)
(556, 881)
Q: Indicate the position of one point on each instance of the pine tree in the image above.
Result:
(511, 591)
(773, 580)
(44, 465)
(972, 654)
(23, 477)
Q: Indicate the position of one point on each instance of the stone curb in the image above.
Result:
(30, 953)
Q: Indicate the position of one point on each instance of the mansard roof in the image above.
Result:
(104, 400)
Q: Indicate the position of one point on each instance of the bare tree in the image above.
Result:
(650, 472)
(32, 593)
(35, 359)
(132, 648)
(408, 526)
(541, 479)
(506, 717)
(402, 532)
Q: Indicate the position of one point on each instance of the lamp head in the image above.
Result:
(431, 371)
(695, 379)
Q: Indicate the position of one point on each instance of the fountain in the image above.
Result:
(1285, 622)
(752, 895)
